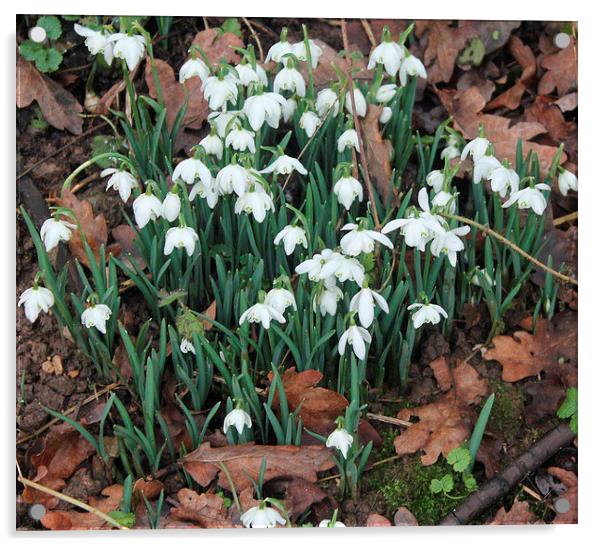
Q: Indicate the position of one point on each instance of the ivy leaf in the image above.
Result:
(459, 459)
(48, 60)
(52, 25)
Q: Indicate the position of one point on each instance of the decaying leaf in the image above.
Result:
(545, 111)
(206, 509)
(404, 518)
(561, 71)
(466, 381)
(566, 510)
(376, 520)
(59, 107)
(519, 514)
(125, 236)
(219, 46)
(299, 493)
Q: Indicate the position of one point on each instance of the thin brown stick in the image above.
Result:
(388, 420)
(356, 123)
(369, 32)
(265, 29)
(72, 501)
(502, 239)
(566, 218)
(255, 37)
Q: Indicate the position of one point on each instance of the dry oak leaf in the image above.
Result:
(73, 520)
(569, 480)
(218, 46)
(467, 383)
(519, 514)
(206, 509)
(244, 460)
(561, 71)
(545, 111)
(325, 72)
(299, 493)
(552, 348)
(59, 107)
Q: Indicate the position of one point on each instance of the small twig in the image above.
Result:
(255, 37)
(265, 29)
(71, 500)
(502, 239)
(388, 420)
(358, 129)
(369, 33)
(532, 493)
(566, 218)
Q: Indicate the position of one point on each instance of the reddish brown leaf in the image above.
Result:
(125, 236)
(299, 493)
(570, 496)
(568, 102)
(219, 46)
(468, 386)
(440, 367)
(376, 520)
(561, 71)
(519, 514)
(404, 518)
(206, 509)
(545, 111)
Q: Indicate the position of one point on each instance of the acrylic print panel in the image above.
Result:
(274, 273)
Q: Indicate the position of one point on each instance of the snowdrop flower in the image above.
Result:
(360, 240)
(262, 516)
(186, 346)
(36, 299)
(450, 152)
(247, 75)
(327, 299)
(194, 67)
(180, 237)
(385, 93)
(232, 178)
(255, 201)
(476, 148)
(529, 198)
(266, 107)
(291, 236)
(53, 231)
(435, 179)
(97, 41)
(237, 418)
(213, 145)
(313, 266)
(190, 170)
(566, 181)
(387, 53)
(343, 268)
(449, 243)
(279, 49)
(289, 109)
(385, 115)
(361, 106)
(280, 299)
(219, 91)
(363, 304)
(300, 52)
(340, 438)
(348, 139)
(129, 48)
(503, 179)
(445, 200)
(170, 208)
(309, 122)
(261, 312)
(357, 337)
(483, 167)
(146, 207)
(347, 189)
(240, 139)
(285, 164)
(326, 101)
(411, 66)
(328, 523)
(224, 120)
(96, 315)
(209, 192)
(475, 278)
(289, 79)
(426, 313)
(121, 181)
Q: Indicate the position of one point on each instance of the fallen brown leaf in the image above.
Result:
(404, 518)
(54, 366)
(561, 71)
(519, 514)
(219, 46)
(569, 479)
(206, 509)
(467, 383)
(376, 520)
(545, 111)
(126, 237)
(299, 493)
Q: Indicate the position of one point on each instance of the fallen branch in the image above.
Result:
(506, 481)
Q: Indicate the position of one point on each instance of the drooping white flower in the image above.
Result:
(328, 523)
(255, 201)
(313, 266)
(343, 268)
(219, 91)
(385, 115)
(237, 418)
(247, 75)
(289, 109)
(213, 145)
(240, 139)
(360, 240)
(566, 181)
(171, 206)
(475, 278)
(327, 299)
(361, 106)
(503, 179)
(263, 108)
(411, 66)
(363, 304)
(192, 68)
(233, 178)
(327, 101)
(445, 200)
(54, 230)
(209, 192)
(340, 438)
(435, 179)
(186, 346)
(483, 167)
(285, 164)
(347, 189)
(97, 316)
(289, 79)
(450, 152)
(190, 170)
(146, 207)
(529, 198)
(449, 243)
(180, 237)
(261, 312)
(385, 93)
(348, 139)
(262, 517)
(278, 50)
(280, 299)
(300, 51)
(291, 236)
(389, 54)
(309, 122)
(121, 181)
(97, 41)
(129, 48)
(357, 337)
(426, 313)
(224, 120)
(477, 148)
(34, 300)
